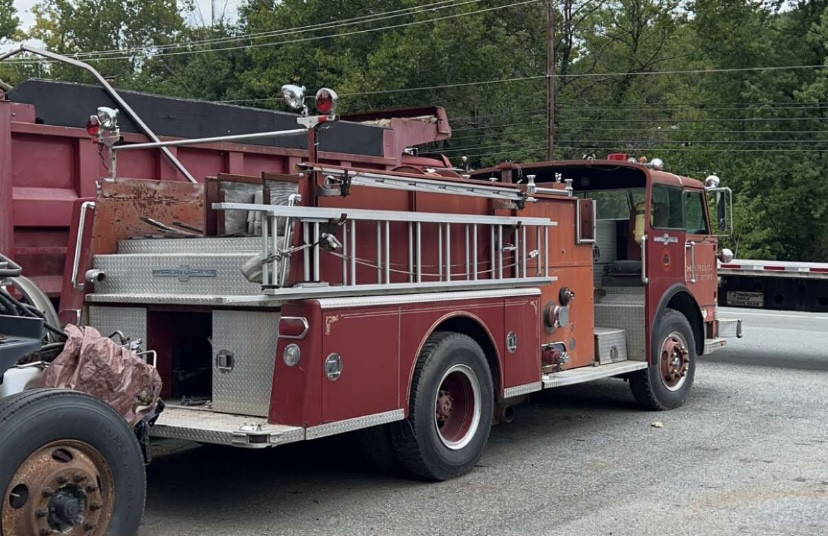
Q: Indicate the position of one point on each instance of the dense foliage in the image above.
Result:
(733, 87)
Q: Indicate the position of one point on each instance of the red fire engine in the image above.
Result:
(418, 303)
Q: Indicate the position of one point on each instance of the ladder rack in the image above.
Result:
(473, 188)
(333, 231)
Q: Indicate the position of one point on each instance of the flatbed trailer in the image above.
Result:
(781, 285)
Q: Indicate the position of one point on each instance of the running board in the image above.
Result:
(206, 426)
(586, 374)
(711, 345)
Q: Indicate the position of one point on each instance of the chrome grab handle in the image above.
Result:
(644, 278)
(692, 246)
(78, 241)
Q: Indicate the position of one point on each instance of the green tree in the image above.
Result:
(121, 33)
(8, 20)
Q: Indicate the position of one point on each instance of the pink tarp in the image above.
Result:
(94, 364)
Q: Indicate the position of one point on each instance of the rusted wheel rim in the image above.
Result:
(64, 487)
(674, 361)
(457, 405)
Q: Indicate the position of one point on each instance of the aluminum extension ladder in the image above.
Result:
(510, 262)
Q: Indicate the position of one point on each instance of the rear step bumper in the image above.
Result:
(206, 426)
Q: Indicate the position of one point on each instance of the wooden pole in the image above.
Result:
(550, 80)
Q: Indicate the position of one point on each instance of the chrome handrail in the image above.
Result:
(644, 278)
(78, 242)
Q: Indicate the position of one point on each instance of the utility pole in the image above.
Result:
(550, 80)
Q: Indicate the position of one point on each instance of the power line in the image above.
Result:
(321, 37)
(443, 4)
(469, 131)
(585, 148)
(613, 74)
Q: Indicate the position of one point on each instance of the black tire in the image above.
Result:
(451, 371)
(667, 381)
(44, 430)
(377, 448)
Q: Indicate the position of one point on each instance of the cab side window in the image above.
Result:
(694, 221)
(666, 211)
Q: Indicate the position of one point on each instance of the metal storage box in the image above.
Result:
(610, 345)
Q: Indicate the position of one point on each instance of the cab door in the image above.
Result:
(700, 249)
(666, 239)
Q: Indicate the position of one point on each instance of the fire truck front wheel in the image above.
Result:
(667, 381)
(70, 465)
(451, 409)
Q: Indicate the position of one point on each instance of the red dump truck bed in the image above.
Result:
(48, 160)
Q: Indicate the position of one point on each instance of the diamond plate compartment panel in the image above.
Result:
(605, 241)
(728, 327)
(610, 345)
(131, 321)
(623, 308)
(191, 245)
(211, 274)
(251, 337)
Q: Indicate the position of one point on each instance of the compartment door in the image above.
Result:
(244, 352)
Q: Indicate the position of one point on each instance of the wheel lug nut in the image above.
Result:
(40, 513)
(48, 492)
(95, 506)
(62, 480)
(91, 488)
(88, 526)
(79, 477)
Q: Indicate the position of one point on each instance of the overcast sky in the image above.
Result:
(25, 13)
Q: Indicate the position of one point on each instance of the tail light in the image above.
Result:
(93, 125)
(326, 100)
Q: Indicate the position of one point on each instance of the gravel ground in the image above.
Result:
(747, 454)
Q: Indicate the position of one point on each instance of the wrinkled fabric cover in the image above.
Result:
(94, 364)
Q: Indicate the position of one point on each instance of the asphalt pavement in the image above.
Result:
(778, 339)
(747, 454)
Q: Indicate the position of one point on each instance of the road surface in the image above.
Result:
(747, 454)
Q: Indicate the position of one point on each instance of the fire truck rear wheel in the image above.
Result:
(451, 409)
(667, 381)
(71, 465)
(377, 448)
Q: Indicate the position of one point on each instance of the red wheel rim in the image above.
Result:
(674, 361)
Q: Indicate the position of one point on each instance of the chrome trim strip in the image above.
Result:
(518, 390)
(364, 301)
(348, 425)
